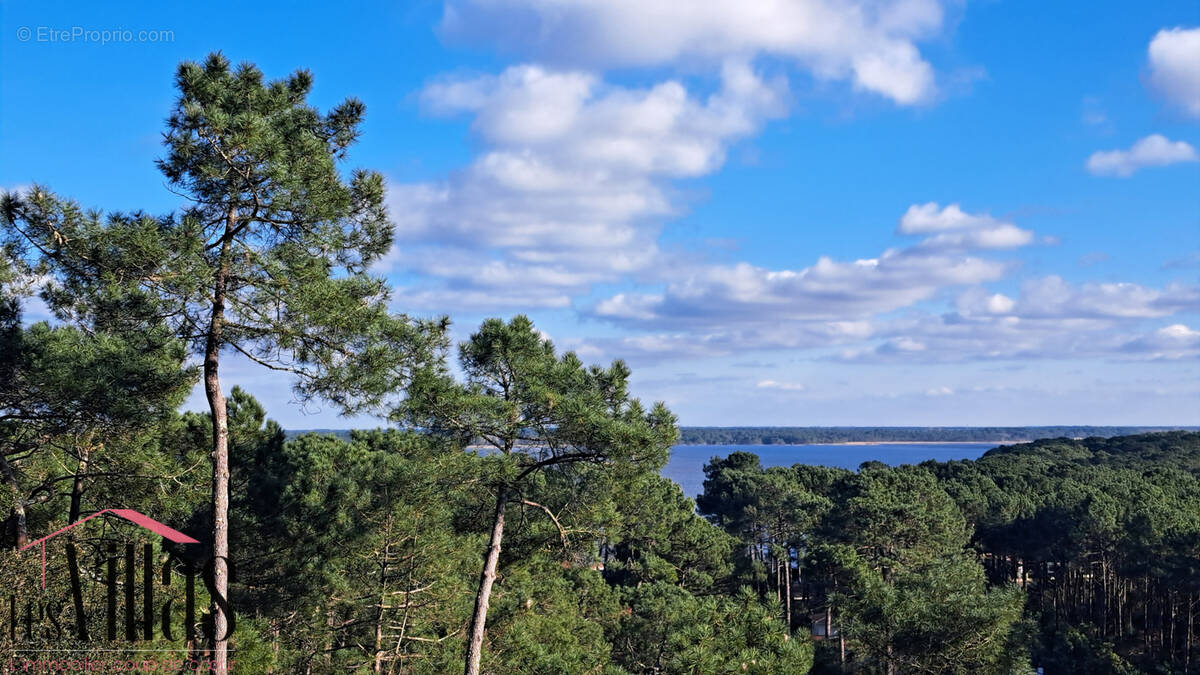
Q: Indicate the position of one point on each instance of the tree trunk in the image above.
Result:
(380, 612)
(81, 632)
(478, 620)
(841, 636)
(787, 588)
(220, 453)
(841, 647)
(77, 484)
(18, 503)
(1187, 654)
(329, 635)
(1171, 645)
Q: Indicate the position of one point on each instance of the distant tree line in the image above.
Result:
(817, 435)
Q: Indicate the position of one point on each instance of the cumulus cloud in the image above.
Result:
(873, 45)
(953, 228)
(1054, 297)
(1174, 63)
(999, 237)
(1153, 150)
(931, 217)
(828, 290)
(572, 185)
(871, 309)
(661, 130)
(953, 338)
(1050, 318)
(830, 300)
(978, 301)
(1175, 341)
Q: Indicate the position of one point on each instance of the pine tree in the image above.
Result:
(535, 412)
(270, 260)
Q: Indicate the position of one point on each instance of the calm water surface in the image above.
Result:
(686, 466)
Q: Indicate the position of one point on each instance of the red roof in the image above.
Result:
(133, 517)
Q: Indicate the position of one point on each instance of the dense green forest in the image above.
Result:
(807, 435)
(512, 518)
(1072, 555)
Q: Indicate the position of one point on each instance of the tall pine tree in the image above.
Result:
(536, 412)
(270, 260)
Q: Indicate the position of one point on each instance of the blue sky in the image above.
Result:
(809, 212)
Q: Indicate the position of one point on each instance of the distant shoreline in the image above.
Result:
(891, 435)
(1009, 441)
(784, 445)
(1005, 442)
(873, 436)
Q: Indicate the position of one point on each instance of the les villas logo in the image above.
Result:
(41, 620)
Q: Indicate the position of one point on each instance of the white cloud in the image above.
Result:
(870, 308)
(931, 217)
(829, 290)
(1052, 297)
(955, 229)
(1153, 150)
(571, 187)
(1051, 318)
(1175, 341)
(999, 237)
(870, 44)
(572, 118)
(979, 301)
(1174, 61)
(781, 386)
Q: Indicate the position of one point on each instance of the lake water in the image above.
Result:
(686, 466)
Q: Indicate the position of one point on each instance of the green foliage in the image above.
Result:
(899, 517)
(547, 619)
(882, 554)
(662, 539)
(669, 630)
(537, 409)
(1076, 649)
(934, 617)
